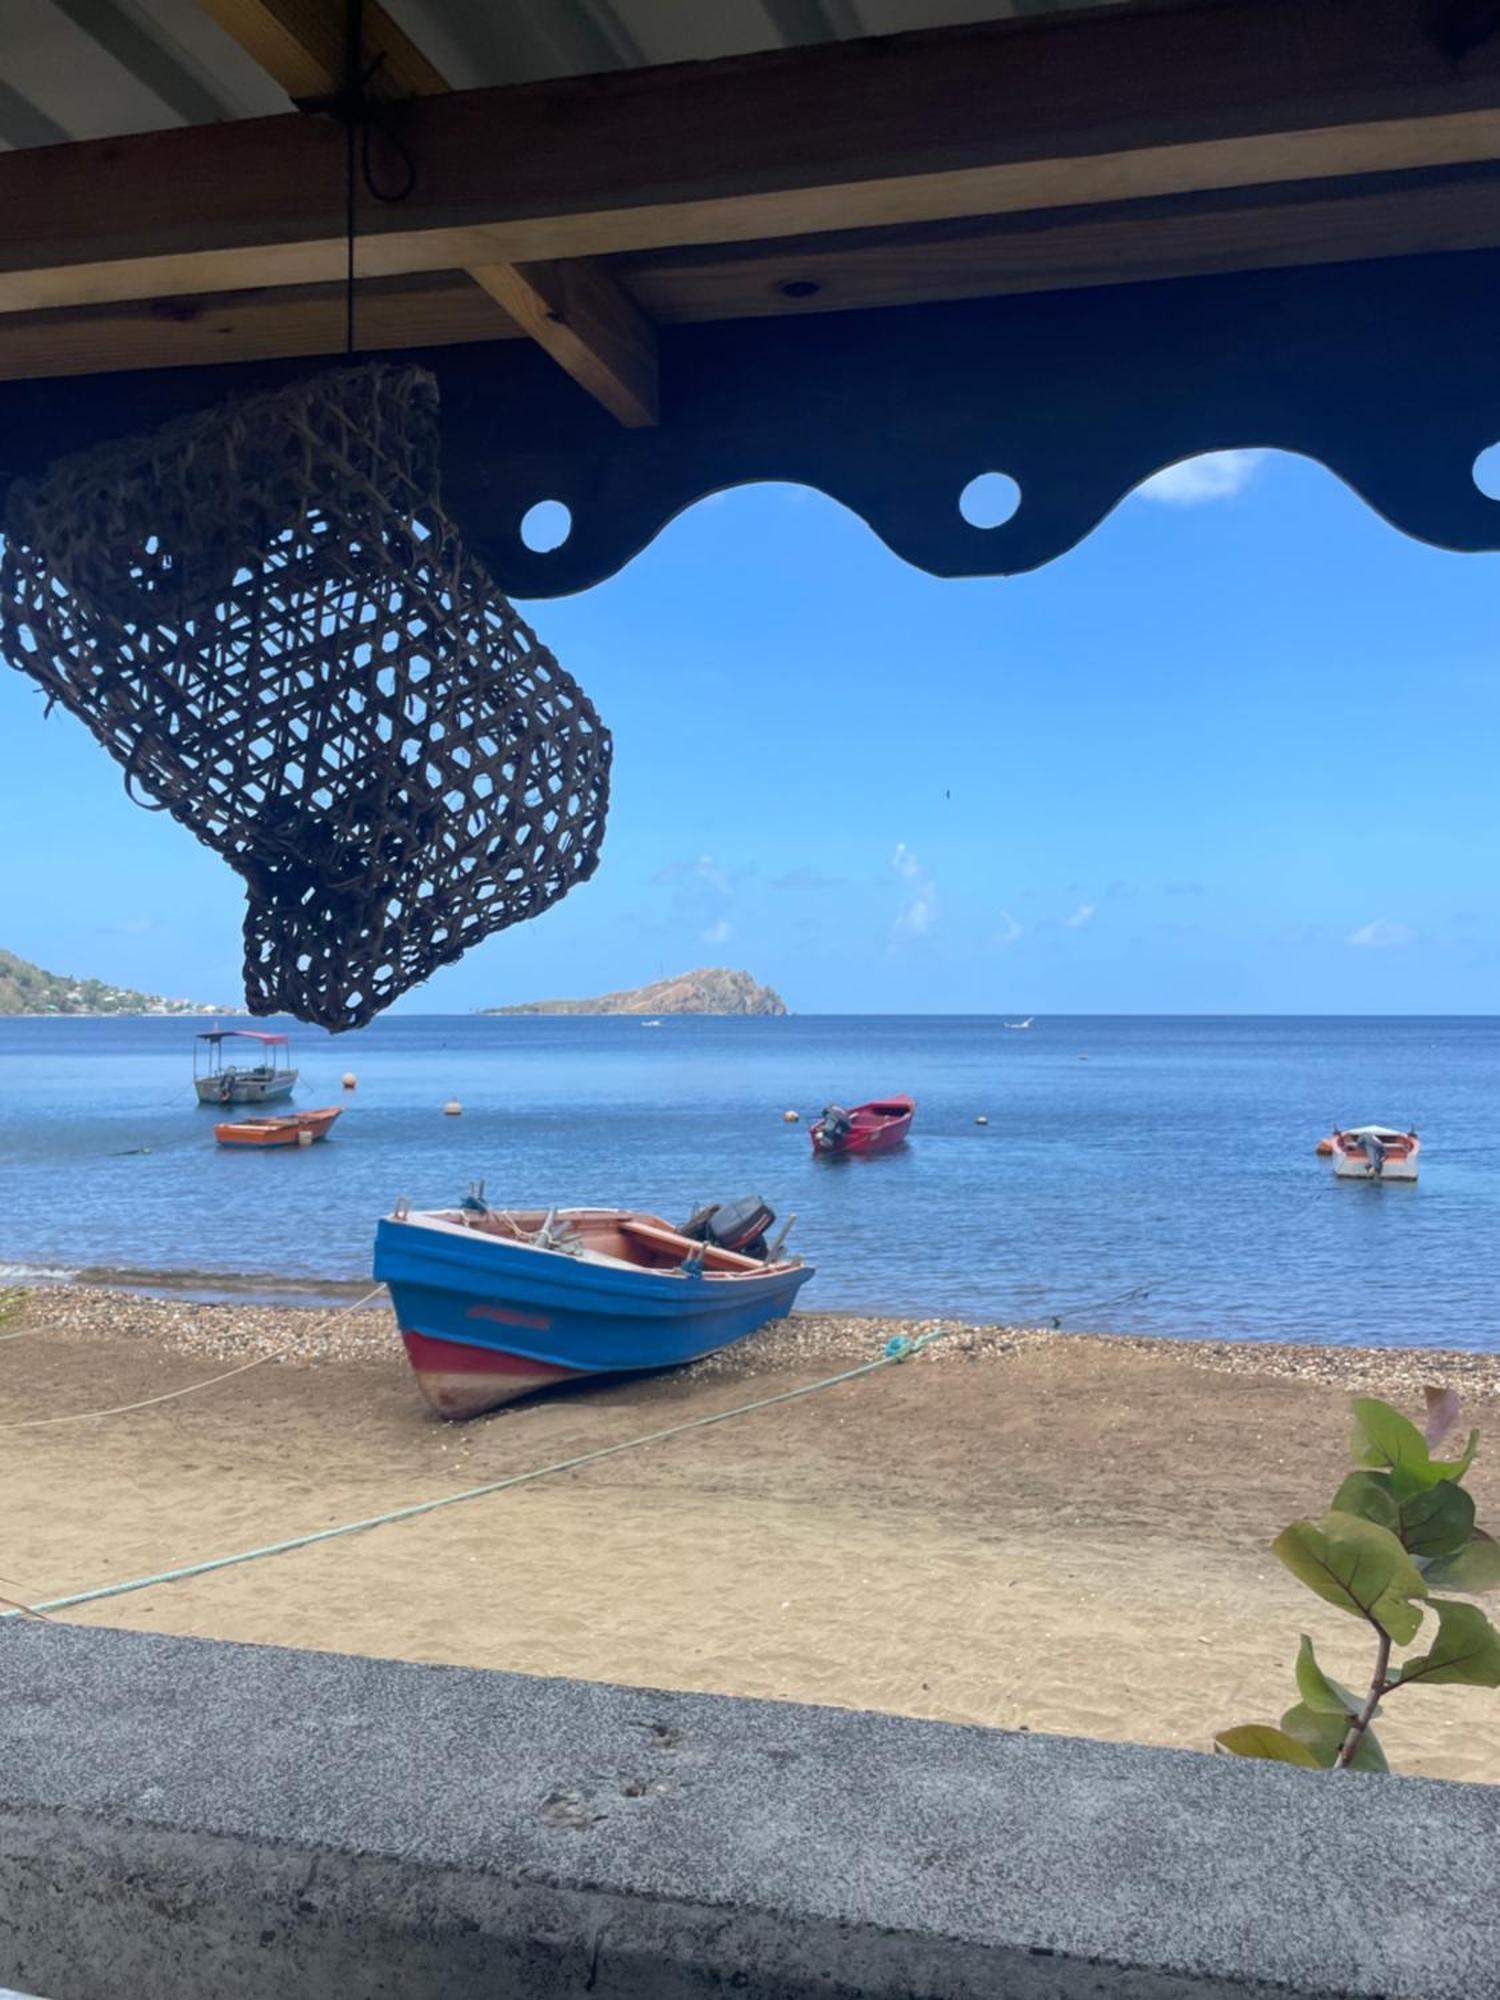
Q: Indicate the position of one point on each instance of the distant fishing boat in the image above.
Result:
(1374, 1153)
(877, 1127)
(495, 1303)
(1018, 1025)
(651, 1024)
(295, 1128)
(217, 1081)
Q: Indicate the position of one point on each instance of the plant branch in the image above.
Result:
(1361, 1722)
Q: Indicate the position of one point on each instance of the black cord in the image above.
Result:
(352, 105)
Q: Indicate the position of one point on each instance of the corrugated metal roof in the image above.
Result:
(93, 69)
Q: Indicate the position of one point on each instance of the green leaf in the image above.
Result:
(1436, 1522)
(1324, 1735)
(1467, 1649)
(1358, 1566)
(1455, 1468)
(1386, 1439)
(1369, 1495)
(1321, 1694)
(1475, 1568)
(1259, 1739)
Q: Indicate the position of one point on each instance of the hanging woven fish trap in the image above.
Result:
(263, 614)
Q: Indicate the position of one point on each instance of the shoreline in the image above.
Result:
(346, 1325)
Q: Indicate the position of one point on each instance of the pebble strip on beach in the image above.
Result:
(345, 1331)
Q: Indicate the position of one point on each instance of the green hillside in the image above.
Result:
(27, 989)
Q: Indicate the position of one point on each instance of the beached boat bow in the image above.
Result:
(493, 1303)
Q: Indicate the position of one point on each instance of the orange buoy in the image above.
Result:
(1325, 1147)
(791, 1117)
(350, 1079)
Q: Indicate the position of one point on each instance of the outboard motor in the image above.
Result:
(834, 1125)
(733, 1225)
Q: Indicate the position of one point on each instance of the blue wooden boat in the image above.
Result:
(495, 1303)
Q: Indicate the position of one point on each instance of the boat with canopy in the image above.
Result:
(264, 1075)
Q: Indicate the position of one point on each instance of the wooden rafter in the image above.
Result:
(1118, 146)
(575, 311)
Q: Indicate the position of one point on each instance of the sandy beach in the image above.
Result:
(1046, 1531)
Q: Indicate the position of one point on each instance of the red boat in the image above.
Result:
(869, 1128)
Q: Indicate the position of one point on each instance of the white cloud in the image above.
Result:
(1382, 934)
(1009, 929)
(1082, 915)
(919, 912)
(719, 933)
(1218, 475)
(704, 870)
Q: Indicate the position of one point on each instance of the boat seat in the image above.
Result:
(659, 1237)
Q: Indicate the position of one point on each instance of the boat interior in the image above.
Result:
(620, 1236)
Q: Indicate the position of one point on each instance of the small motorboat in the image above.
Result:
(1019, 1026)
(877, 1127)
(495, 1303)
(294, 1128)
(260, 1081)
(1374, 1153)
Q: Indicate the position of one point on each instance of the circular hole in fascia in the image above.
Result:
(1487, 472)
(801, 288)
(546, 526)
(989, 500)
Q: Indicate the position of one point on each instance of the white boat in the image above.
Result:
(1021, 1024)
(261, 1081)
(651, 1024)
(1375, 1153)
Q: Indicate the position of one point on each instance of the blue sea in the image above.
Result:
(1140, 1175)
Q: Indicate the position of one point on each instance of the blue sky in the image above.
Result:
(1238, 752)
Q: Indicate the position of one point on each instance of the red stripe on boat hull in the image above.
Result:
(463, 1381)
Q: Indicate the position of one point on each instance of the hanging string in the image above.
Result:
(354, 95)
(354, 108)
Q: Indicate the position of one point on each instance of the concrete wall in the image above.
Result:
(182, 1819)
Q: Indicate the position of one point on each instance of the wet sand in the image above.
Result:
(1036, 1530)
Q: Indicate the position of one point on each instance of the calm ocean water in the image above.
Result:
(1167, 1185)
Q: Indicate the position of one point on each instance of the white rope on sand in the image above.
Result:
(896, 1350)
(171, 1395)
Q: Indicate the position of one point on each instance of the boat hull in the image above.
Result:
(1361, 1170)
(263, 1134)
(245, 1090)
(485, 1320)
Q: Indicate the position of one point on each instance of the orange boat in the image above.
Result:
(297, 1128)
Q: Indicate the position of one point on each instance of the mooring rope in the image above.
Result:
(171, 1395)
(898, 1349)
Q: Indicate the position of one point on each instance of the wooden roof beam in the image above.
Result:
(1046, 112)
(575, 311)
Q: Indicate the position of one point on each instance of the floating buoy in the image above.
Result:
(350, 1079)
(1325, 1147)
(791, 1117)
(304, 1137)
(981, 1119)
(453, 1109)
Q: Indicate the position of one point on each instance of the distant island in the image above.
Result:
(711, 990)
(27, 989)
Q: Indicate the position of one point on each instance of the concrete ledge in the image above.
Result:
(182, 1819)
